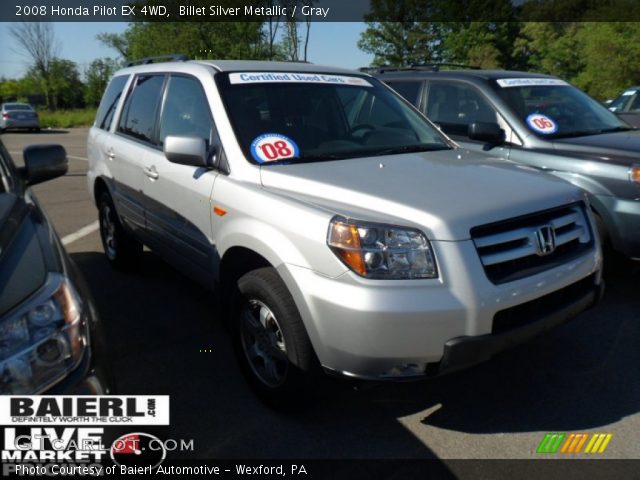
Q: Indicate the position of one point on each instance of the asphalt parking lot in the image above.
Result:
(581, 377)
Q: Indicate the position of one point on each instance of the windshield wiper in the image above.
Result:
(583, 133)
(307, 158)
(586, 133)
(410, 149)
(617, 129)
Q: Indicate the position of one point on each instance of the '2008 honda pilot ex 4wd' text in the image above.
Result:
(340, 227)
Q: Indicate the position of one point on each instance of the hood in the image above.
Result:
(22, 264)
(444, 193)
(620, 148)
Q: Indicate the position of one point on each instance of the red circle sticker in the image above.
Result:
(541, 123)
(270, 147)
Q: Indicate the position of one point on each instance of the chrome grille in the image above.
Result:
(524, 246)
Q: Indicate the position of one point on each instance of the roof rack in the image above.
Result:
(159, 59)
(431, 67)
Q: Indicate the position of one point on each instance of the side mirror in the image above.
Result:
(486, 132)
(43, 162)
(186, 151)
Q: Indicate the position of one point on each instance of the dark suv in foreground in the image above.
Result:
(541, 121)
(50, 338)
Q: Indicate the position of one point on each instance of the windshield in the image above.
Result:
(629, 101)
(288, 117)
(551, 108)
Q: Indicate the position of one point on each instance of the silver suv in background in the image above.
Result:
(540, 121)
(340, 228)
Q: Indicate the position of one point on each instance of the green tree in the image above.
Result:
(483, 44)
(116, 41)
(96, 79)
(401, 43)
(37, 41)
(65, 89)
(551, 47)
(395, 37)
(194, 39)
(611, 51)
(10, 90)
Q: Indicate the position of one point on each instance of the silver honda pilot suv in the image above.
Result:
(340, 228)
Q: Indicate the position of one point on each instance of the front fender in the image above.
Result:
(280, 229)
(587, 184)
(277, 247)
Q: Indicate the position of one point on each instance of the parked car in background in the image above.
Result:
(340, 228)
(540, 121)
(627, 106)
(18, 116)
(50, 337)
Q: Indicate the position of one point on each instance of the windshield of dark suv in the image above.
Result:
(288, 117)
(551, 108)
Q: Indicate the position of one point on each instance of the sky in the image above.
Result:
(329, 44)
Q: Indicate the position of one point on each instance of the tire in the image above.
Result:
(121, 249)
(271, 342)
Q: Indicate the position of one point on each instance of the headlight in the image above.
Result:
(634, 173)
(42, 340)
(382, 251)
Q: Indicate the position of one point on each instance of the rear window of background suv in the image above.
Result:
(109, 102)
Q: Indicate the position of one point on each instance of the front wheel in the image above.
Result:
(271, 342)
(122, 250)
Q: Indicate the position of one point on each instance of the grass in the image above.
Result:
(67, 118)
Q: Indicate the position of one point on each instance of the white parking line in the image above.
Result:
(83, 232)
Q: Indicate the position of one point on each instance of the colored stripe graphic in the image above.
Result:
(550, 443)
(598, 443)
(572, 443)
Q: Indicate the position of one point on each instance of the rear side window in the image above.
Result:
(109, 102)
(186, 110)
(17, 106)
(138, 117)
(409, 90)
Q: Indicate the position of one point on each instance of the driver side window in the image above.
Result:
(454, 106)
(186, 110)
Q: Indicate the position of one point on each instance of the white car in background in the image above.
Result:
(18, 116)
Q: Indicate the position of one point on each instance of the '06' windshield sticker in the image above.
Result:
(292, 77)
(270, 147)
(542, 124)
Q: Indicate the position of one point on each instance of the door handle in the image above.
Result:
(151, 173)
(111, 154)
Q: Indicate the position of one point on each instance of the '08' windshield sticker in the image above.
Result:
(270, 147)
(542, 124)
(293, 77)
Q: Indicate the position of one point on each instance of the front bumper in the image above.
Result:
(399, 329)
(465, 351)
(623, 224)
